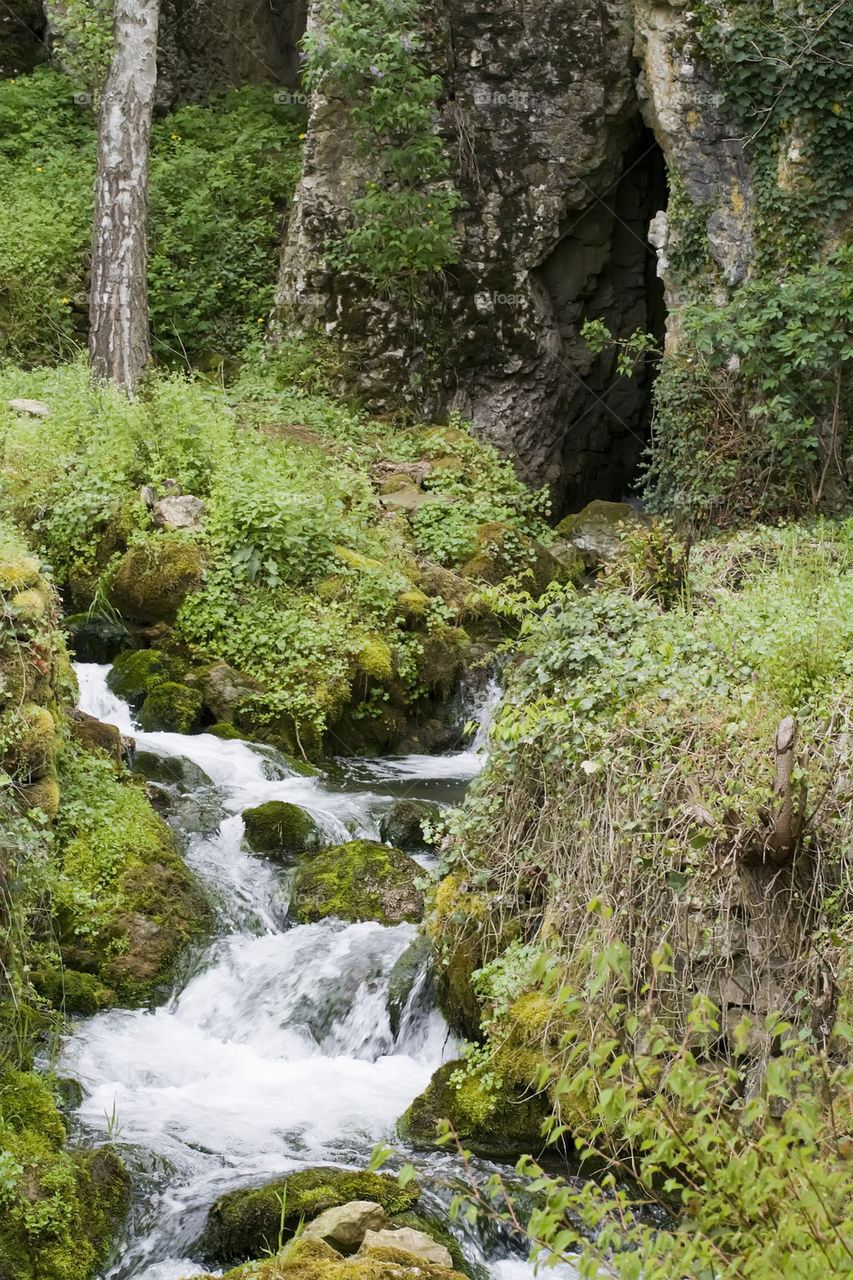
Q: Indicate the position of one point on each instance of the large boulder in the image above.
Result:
(97, 736)
(408, 1240)
(223, 689)
(402, 825)
(281, 830)
(242, 1223)
(345, 1226)
(361, 880)
(170, 708)
(596, 533)
(96, 638)
(154, 578)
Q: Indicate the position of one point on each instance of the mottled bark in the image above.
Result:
(118, 307)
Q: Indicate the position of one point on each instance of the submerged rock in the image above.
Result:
(361, 880)
(401, 826)
(406, 972)
(242, 1224)
(281, 830)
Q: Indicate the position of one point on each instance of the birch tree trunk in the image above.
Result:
(118, 306)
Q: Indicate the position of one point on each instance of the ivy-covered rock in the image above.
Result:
(61, 1208)
(154, 578)
(281, 830)
(402, 825)
(242, 1224)
(499, 1115)
(170, 708)
(361, 880)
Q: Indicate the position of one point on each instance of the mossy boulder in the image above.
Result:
(242, 1224)
(441, 659)
(97, 736)
(72, 991)
(154, 578)
(171, 708)
(500, 1120)
(597, 531)
(501, 551)
(360, 880)
(281, 830)
(61, 1208)
(223, 689)
(315, 1260)
(134, 674)
(402, 825)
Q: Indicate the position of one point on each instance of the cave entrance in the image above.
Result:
(605, 268)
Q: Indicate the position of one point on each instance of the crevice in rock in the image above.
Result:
(604, 267)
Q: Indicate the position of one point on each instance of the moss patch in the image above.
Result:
(361, 880)
(281, 830)
(60, 1209)
(242, 1224)
(134, 674)
(500, 1121)
(170, 708)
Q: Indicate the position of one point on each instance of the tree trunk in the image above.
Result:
(118, 306)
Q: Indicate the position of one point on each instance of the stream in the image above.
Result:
(274, 1050)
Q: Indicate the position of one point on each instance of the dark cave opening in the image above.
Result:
(605, 268)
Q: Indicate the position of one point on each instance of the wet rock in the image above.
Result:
(408, 1240)
(361, 880)
(402, 826)
(97, 736)
(95, 637)
(596, 532)
(170, 708)
(241, 1221)
(405, 974)
(175, 771)
(344, 1227)
(224, 689)
(281, 831)
(135, 673)
(184, 512)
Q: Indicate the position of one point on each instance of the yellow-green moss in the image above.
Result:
(135, 673)
(32, 605)
(361, 880)
(58, 1209)
(241, 1224)
(280, 829)
(18, 571)
(170, 708)
(374, 659)
(154, 578)
(44, 795)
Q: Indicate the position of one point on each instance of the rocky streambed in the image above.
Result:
(282, 1046)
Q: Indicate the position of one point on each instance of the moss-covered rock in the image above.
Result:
(61, 1209)
(502, 551)
(315, 1260)
(402, 825)
(171, 708)
(501, 1118)
(72, 991)
(374, 659)
(154, 578)
(596, 532)
(97, 736)
(441, 659)
(361, 880)
(242, 1224)
(18, 570)
(223, 689)
(135, 673)
(281, 830)
(30, 742)
(43, 795)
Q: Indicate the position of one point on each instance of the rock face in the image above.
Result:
(561, 179)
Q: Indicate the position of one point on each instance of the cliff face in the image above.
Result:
(560, 177)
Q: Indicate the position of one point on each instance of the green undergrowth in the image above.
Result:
(301, 573)
(222, 175)
(633, 768)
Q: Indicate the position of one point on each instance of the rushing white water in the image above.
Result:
(276, 1050)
